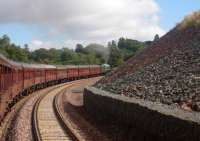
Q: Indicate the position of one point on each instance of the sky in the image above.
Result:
(64, 23)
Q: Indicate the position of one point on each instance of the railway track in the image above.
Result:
(18, 123)
(47, 122)
(41, 117)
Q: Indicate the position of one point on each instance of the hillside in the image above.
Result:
(168, 71)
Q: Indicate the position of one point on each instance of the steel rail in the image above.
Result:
(35, 127)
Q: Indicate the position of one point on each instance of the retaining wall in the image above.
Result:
(154, 121)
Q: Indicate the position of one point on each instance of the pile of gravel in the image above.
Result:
(173, 80)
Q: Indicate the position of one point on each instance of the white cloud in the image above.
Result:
(37, 44)
(86, 20)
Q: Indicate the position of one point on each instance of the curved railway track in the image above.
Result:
(41, 117)
(47, 121)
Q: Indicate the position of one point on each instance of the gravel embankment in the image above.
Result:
(173, 80)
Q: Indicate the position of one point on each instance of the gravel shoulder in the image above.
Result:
(20, 118)
(71, 103)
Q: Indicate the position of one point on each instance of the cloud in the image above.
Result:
(37, 44)
(86, 20)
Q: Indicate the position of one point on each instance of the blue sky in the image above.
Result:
(19, 33)
(173, 11)
(91, 21)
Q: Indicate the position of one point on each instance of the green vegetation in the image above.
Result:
(115, 58)
(129, 47)
(62, 56)
(114, 54)
(12, 51)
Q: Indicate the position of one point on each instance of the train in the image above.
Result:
(20, 79)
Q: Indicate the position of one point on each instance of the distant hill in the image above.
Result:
(168, 71)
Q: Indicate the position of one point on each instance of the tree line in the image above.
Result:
(114, 54)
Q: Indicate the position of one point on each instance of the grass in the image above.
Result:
(192, 20)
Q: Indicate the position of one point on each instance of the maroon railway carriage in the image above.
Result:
(19, 79)
(72, 72)
(16, 77)
(5, 80)
(95, 70)
(84, 71)
(62, 72)
(40, 74)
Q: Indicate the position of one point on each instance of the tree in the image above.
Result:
(41, 55)
(27, 51)
(79, 48)
(4, 44)
(115, 57)
(91, 54)
(156, 38)
(16, 53)
(54, 55)
(6, 39)
(129, 47)
(66, 56)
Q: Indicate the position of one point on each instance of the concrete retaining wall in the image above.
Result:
(155, 121)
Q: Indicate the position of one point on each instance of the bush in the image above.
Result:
(192, 20)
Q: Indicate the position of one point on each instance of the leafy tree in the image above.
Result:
(11, 50)
(6, 40)
(16, 53)
(156, 38)
(66, 56)
(41, 55)
(54, 56)
(129, 47)
(27, 51)
(114, 54)
(115, 57)
(79, 48)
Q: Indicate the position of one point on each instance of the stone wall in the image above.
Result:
(154, 121)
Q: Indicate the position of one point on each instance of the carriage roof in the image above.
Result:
(76, 66)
